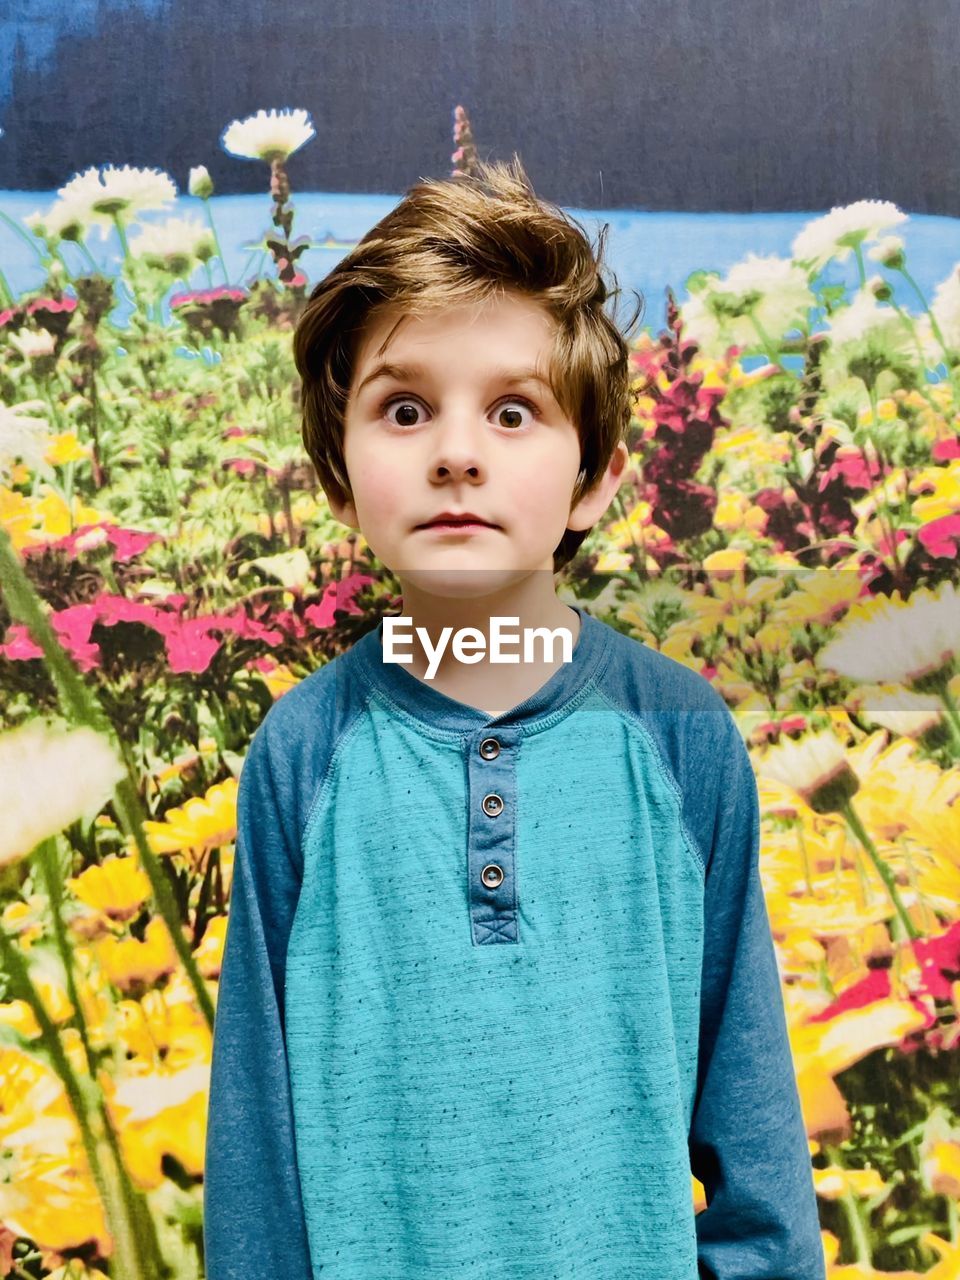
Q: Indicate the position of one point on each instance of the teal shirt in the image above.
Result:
(493, 987)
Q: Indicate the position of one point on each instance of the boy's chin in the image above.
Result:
(464, 583)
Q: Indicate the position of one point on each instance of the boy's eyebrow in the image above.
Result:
(410, 372)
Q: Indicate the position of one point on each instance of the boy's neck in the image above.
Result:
(493, 687)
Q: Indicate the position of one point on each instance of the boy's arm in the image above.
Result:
(748, 1143)
(253, 1213)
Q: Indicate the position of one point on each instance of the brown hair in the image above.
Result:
(458, 240)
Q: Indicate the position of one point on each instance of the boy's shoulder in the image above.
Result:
(688, 727)
(651, 685)
(301, 729)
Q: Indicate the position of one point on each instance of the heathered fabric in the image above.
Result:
(418, 1072)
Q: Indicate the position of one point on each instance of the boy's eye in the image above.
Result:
(408, 408)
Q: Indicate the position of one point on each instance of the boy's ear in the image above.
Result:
(342, 508)
(595, 502)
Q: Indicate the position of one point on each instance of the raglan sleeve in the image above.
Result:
(253, 1221)
(747, 1141)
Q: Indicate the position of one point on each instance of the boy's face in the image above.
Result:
(457, 434)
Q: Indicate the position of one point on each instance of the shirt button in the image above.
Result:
(492, 875)
(492, 805)
(489, 748)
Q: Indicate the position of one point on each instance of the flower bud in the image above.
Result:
(880, 288)
(200, 183)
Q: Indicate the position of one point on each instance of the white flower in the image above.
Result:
(50, 777)
(771, 290)
(815, 766)
(268, 135)
(33, 342)
(888, 251)
(173, 245)
(62, 221)
(864, 315)
(836, 233)
(906, 714)
(292, 568)
(22, 437)
(200, 183)
(888, 639)
(96, 195)
(946, 308)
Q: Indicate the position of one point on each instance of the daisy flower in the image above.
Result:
(21, 436)
(888, 251)
(49, 778)
(761, 294)
(96, 196)
(815, 766)
(174, 245)
(864, 316)
(268, 135)
(843, 229)
(892, 640)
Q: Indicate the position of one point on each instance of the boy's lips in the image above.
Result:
(464, 520)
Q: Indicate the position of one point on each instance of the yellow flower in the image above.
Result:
(65, 448)
(731, 508)
(279, 679)
(939, 488)
(126, 962)
(209, 954)
(162, 1030)
(47, 1193)
(158, 1114)
(941, 1169)
(727, 560)
(117, 886)
(202, 824)
(835, 1182)
(26, 918)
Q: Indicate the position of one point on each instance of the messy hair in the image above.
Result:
(460, 240)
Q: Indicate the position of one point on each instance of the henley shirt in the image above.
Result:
(494, 987)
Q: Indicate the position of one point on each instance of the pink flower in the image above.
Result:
(942, 537)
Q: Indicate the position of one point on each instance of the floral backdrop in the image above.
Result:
(789, 527)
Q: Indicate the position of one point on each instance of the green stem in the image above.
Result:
(144, 1229)
(861, 269)
(83, 707)
(858, 829)
(945, 694)
(851, 1211)
(130, 264)
(765, 342)
(936, 330)
(216, 241)
(118, 1219)
(907, 320)
(891, 526)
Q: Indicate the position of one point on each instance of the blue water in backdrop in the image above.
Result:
(646, 251)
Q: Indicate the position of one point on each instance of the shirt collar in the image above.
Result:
(422, 700)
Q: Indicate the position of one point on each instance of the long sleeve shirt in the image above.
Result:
(494, 987)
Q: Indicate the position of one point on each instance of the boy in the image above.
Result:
(499, 974)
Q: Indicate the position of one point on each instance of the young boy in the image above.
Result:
(499, 975)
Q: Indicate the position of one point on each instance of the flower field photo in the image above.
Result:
(788, 527)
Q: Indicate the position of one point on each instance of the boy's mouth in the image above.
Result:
(463, 520)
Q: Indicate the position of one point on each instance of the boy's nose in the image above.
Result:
(457, 448)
